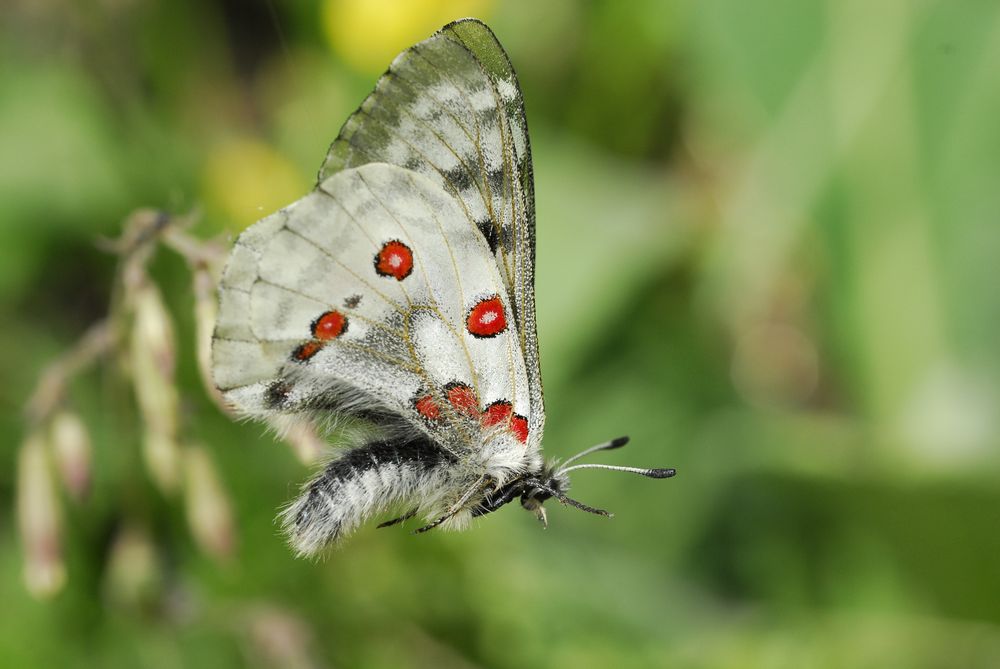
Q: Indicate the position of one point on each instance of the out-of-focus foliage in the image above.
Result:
(768, 240)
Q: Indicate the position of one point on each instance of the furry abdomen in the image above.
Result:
(364, 481)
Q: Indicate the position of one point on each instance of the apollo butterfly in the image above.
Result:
(399, 295)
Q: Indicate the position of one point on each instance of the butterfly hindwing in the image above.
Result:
(450, 108)
(358, 298)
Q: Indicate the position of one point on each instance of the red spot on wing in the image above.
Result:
(307, 350)
(487, 318)
(502, 413)
(395, 259)
(519, 426)
(463, 398)
(427, 407)
(330, 325)
(497, 413)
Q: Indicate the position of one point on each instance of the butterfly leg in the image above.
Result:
(481, 484)
(542, 517)
(395, 521)
(572, 502)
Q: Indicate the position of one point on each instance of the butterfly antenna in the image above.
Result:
(656, 473)
(606, 446)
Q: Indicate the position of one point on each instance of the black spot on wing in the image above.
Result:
(489, 231)
(276, 395)
(495, 178)
(459, 178)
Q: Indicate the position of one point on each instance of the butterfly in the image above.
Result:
(397, 298)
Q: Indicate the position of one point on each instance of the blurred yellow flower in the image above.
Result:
(244, 180)
(369, 33)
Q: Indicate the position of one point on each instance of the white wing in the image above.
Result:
(451, 109)
(372, 295)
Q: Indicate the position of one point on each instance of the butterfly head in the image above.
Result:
(552, 481)
(549, 483)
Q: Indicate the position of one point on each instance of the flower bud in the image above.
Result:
(152, 358)
(133, 577)
(39, 518)
(301, 435)
(72, 450)
(209, 512)
(162, 455)
(279, 637)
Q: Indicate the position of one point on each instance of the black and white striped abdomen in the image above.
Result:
(365, 481)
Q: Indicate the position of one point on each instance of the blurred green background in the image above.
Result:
(768, 242)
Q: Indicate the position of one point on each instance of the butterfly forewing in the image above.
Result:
(450, 108)
(358, 298)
